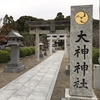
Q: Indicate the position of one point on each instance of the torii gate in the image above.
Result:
(57, 36)
(51, 32)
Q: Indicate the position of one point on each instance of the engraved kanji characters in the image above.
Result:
(82, 84)
(81, 36)
(81, 67)
(83, 51)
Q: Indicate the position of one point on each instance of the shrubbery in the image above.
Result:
(33, 49)
(24, 51)
(95, 55)
(27, 51)
(4, 56)
(8, 49)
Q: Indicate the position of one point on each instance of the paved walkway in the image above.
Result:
(36, 84)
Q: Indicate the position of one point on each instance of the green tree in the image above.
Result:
(29, 39)
(21, 23)
(67, 18)
(43, 38)
(59, 16)
(8, 24)
(7, 19)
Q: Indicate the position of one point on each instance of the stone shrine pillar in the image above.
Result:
(68, 49)
(68, 55)
(57, 41)
(65, 44)
(81, 54)
(97, 76)
(50, 45)
(41, 55)
(14, 42)
(37, 49)
(81, 51)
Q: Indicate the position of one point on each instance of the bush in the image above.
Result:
(23, 52)
(33, 49)
(95, 55)
(8, 49)
(4, 56)
(29, 51)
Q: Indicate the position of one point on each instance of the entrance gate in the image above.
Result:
(49, 28)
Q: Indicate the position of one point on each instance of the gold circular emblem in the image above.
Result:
(81, 17)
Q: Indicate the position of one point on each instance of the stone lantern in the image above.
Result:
(41, 53)
(14, 41)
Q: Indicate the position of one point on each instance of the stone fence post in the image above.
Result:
(96, 76)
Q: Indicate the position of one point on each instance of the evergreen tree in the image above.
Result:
(59, 16)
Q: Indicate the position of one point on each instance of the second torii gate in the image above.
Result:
(51, 25)
(55, 36)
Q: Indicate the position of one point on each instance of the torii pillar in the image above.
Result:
(50, 45)
(37, 50)
(65, 44)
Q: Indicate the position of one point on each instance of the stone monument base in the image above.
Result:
(68, 97)
(14, 68)
(68, 70)
(41, 54)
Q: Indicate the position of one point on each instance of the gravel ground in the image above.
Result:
(62, 81)
(5, 78)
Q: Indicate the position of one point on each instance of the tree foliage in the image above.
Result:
(59, 16)
(7, 19)
(29, 39)
(22, 25)
(8, 24)
(96, 33)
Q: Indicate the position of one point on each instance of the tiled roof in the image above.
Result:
(14, 34)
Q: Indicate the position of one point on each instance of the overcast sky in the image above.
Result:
(46, 9)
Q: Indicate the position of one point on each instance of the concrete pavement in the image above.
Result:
(37, 83)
